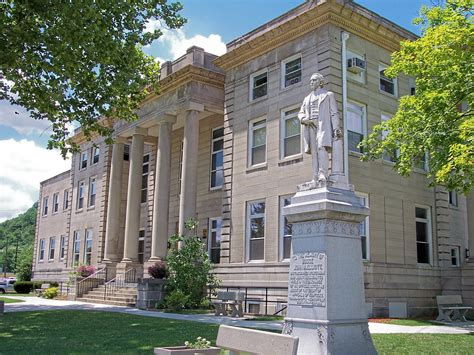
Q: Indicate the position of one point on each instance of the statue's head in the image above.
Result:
(316, 81)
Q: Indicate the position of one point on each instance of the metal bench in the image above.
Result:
(39, 291)
(231, 300)
(252, 341)
(450, 308)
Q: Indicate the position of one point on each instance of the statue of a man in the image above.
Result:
(322, 131)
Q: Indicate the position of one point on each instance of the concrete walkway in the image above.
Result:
(41, 304)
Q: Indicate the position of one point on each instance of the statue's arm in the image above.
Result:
(302, 114)
(335, 119)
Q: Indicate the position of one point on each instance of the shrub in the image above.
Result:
(189, 266)
(23, 287)
(159, 270)
(50, 293)
(200, 343)
(176, 300)
(85, 270)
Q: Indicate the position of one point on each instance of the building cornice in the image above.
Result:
(329, 12)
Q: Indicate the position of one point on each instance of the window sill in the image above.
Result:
(355, 154)
(290, 87)
(424, 265)
(50, 260)
(255, 261)
(393, 96)
(420, 171)
(291, 160)
(80, 210)
(91, 208)
(43, 216)
(259, 99)
(217, 188)
(357, 82)
(255, 168)
(388, 162)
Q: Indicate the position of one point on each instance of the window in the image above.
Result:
(66, 200)
(92, 191)
(95, 155)
(257, 141)
(290, 143)
(364, 227)
(258, 84)
(423, 235)
(291, 69)
(83, 160)
(55, 202)
(141, 246)
(356, 66)
(286, 230)
(388, 85)
(41, 250)
(412, 85)
(455, 260)
(52, 247)
(45, 206)
(217, 158)
(80, 195)
(355, 126)
(215, 225)
(88, 247)
(255, 230)
(453, 198)
(180, 165)
(76, 248)
(422, 163)
(62, 247)
(126, 152)
(388, 156)
(145, 172)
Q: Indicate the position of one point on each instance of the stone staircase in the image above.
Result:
(126, 296)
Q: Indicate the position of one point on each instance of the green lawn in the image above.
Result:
(10, 300)
(411, 322)
(91, 332)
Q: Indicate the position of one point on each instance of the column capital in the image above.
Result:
(166, 118)
(139, 131)
(193, 106)
(120, 139)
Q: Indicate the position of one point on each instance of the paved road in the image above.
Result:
(41, 304)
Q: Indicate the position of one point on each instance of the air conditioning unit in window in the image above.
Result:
(355, 65)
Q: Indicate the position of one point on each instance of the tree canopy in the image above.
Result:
(438, 118)
(67, 61)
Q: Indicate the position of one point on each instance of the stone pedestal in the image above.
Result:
(150, 291)
(326, 303)
(124, 266)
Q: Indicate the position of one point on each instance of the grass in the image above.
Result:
(189, 311)
(411, 322)
(10, 300)
(91, 332)
(265, 318)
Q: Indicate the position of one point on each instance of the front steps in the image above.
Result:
(124, 296)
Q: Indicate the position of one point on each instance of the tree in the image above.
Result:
(24, 267)
(68, 61)
(438, 119)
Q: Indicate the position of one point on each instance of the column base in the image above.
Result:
(127, 264)
(111, 266)
(326, 337)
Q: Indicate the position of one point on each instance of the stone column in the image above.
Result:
(187, 201)
(326, 302)
(132, 218)
(161, 199)
(111, 254)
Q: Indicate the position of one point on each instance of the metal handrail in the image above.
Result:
(112, 286)
(91, 282)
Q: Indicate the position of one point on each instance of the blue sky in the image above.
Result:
(211, 23)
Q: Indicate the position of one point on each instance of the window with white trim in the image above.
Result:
(423, 234)
(214, 242)
(88, 247)
(356, 66)
(41, 249)
(80, 195)
(66, 200)
(45, 205)
(290, 133)
(55, 202)
(453, 198)
(286, 230)
(388, 85)
(145, 173)
(92, 191)
(76, 248)
(422, 162)
(258, 84)
(356, 126)
(364, 228)
(52, 247)
(291, 71)
(255, 230)
(455, 259)
(388, 156)
(84, 158)
(141, 246)
(62, 247)
(217, 158)
(257, 141)
(95, 155)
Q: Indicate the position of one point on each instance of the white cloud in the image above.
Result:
(18, 118)
(23, 166)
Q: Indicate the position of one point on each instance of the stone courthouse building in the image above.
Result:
(221, 142)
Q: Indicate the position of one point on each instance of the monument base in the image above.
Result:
(326, 303)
